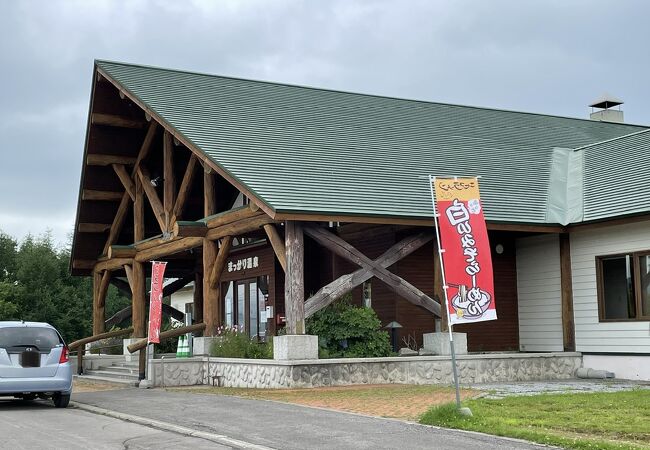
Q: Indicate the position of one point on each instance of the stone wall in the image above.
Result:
(338, 372)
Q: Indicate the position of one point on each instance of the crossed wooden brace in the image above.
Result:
(369, 268)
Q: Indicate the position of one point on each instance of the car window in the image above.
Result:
(19, 338)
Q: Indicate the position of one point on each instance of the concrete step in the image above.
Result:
(121, 369)
(105, 373)
(95, 379)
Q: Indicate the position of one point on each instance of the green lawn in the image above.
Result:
(612, 420)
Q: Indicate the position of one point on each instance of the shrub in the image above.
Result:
(347, 331)
(233, 342)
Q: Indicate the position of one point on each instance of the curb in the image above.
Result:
(164, 426)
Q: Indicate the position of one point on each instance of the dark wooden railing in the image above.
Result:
(79, 344)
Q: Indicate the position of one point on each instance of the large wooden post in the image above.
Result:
(210, 294)
(294, 282)
(438, 289)
(568, 326)
(138, 290)
(198, 297)
(101, 282)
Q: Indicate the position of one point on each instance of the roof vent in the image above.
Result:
(604, 111)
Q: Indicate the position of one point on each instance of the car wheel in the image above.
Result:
(61, 401)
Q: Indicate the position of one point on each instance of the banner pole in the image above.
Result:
(432, 180)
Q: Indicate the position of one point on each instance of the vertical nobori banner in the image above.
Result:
(466, 256)
(155, 301)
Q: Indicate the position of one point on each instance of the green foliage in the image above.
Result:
(36, 285)
(603, 420)
(233, 343)
(347, 331)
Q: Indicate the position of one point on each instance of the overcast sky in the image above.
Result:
(551, 57)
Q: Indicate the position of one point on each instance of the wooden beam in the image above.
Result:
(230, 216)
(120, 216)
(168, 248)
(152, 196)
(111, 264)
(185, 228)
(184, 190)
(126, 180)
(239, 227)
(174, 332)
(85, 227)
(121, 251)
(346, 283)
(115, 121)
(169, 187)
(128, 269)
(95, 159)
(402, 287)
(138, 301)
(99, 315)
(138, 212)
(123, 286)
(81, 342)
(220, 262)
(294, 280)
(96, 195)
(422, 222)
(277, 243)
(146, 146)
(118, 222)
(210, 294)
(568, 324)
(127, 312)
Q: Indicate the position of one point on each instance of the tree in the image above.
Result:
(36, 285)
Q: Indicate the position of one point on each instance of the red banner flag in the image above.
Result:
(465, 250)
(155, 301)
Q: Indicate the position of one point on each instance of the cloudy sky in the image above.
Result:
(551, 57)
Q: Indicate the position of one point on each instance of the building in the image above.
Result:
(277, 199)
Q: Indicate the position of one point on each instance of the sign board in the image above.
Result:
(155, 301)
(465, 249)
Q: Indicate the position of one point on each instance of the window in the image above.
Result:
(624, 286)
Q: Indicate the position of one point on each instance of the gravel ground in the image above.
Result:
(501, 390)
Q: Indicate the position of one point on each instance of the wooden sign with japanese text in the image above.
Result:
(465, 250)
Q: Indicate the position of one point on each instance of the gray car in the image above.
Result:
(34, 362)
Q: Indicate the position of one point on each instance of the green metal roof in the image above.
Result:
(307, 150)
(617, 177)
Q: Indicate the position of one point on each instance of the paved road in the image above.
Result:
(38, 425)
(283, 426)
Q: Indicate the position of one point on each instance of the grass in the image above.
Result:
(399, 401)
(613, 420)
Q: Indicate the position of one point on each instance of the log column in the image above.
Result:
(438, 289)
(294, 283)
(101, 280)
(210, 294)
(138, 290)
(198, 297)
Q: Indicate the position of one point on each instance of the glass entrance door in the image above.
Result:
(245, 303)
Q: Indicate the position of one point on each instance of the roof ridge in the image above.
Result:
(612, 139)
(428, 102)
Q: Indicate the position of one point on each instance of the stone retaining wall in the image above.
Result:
(338, 372)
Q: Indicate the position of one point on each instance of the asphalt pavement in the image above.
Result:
(248, 423)
(38, 425)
